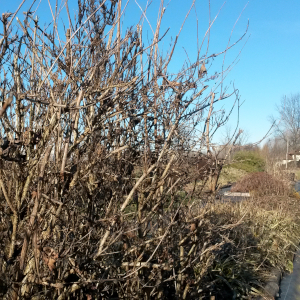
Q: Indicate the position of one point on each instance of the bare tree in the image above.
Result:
(228, 136)
(288, 125)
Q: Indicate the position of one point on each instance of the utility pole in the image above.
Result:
(287, 153)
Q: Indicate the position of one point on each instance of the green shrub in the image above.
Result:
(248, 161)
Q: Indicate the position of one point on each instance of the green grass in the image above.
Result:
(243, 162)
(230, 174)
(248, 161)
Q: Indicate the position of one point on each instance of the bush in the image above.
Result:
(93, 125)
(261, 184)
(248, 161)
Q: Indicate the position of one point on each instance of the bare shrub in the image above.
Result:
(262, 183)
(93, 127)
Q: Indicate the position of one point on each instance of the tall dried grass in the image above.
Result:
(256, 236)
(262, 183)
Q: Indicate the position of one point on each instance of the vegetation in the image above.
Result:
(242, 163)
(256, 236)
(261, 184)
(98, 139)
(97, 136)
(288, 129)
(230, 175)
(249, 161)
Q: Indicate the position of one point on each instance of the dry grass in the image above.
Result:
(296, 172)
(257, 235)
(229, 175)
(262, 183)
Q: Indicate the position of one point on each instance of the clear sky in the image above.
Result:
(268, 66)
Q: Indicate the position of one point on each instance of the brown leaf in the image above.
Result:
(58, 285)
(50, 257)
(202, 70)
(51, 264)
(193, 227)
(34, 194)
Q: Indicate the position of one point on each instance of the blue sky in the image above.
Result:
(269, 64)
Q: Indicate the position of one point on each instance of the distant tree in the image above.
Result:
(288, 125)
(274, 152)
(233, 141)
(229, 136)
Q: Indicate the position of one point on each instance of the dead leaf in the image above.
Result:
(58, 285)
(202, 70)
(50, 257)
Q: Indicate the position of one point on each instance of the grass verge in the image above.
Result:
(258, 235)
(243, 163)
(229, 175)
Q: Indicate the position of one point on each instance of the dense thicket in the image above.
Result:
(97, 136)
